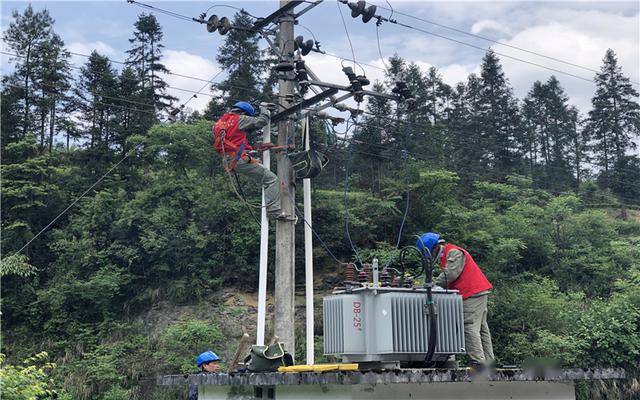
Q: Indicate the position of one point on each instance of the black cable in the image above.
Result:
(322, 243)
(244, 198)
(346, 191)
(379, 50)
(160, 10)
(242, 10)
(485, 49)
(492, 40)
(347, 32)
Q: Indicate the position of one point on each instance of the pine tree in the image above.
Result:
(96, 91)
(25, 35)
(437, 96)
(53, 81)
(500, 119)
(469, 148)
(144, 57)
(372, 139)
(127, 121)
(614, 120)
(241, 57)
(551, 129)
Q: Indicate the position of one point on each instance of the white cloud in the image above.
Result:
(489, 25)
(88, 47)
(184, 63)
(581, 38)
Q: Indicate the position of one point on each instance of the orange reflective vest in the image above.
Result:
(471, 281)
(228, 138)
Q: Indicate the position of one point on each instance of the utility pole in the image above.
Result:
(285, 229)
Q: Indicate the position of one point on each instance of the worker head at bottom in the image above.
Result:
(460, 272)
(208, 362)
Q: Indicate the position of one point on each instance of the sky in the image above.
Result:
(578, 32)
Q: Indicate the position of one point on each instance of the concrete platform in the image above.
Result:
(398, 384)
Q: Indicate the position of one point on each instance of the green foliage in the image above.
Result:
(30, 380)
(180, 344)
(17, 264)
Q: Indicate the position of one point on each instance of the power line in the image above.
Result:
(495, 41)
(485, 49)
(414, 124)
(76, 200)
(353, 54)
(166, 12)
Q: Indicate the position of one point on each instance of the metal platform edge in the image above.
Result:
(389, 377)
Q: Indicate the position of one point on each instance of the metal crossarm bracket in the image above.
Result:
(348, 89)
(303, 104)
(261, 23)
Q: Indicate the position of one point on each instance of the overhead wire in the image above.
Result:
(485, 49)
(490, 40)
(344, 24)
(346, 191)
(163, 11)
(127, 154)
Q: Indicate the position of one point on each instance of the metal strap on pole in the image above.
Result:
(264, 247)
(308, 253)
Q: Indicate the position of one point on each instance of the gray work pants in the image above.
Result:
(476, 330)
(261, 175)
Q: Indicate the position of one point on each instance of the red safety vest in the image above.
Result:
(228, 137)
(471, 281)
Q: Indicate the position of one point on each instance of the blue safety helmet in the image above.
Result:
(206, 357)
(246, 107)
(428, 240)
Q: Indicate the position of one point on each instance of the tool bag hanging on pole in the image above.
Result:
(267, 358)
(309, 163)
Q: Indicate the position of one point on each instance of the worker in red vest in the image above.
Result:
(230, 133)
(460, 272)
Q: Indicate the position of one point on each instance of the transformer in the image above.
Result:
(391, 324)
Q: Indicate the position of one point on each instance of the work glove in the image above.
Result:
(265, 111)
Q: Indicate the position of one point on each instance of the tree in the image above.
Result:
(551, 126)
(498, 114)
(25, 35)
(53, 80)
(241, 57)
(615, 118)
(625, 178)
(144, 58)
(96, 91)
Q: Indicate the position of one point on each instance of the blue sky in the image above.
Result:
(578, 32)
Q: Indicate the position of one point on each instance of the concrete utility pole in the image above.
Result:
(285, 230)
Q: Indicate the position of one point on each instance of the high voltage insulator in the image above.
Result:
(400, 88)
(305, 47)
(302, 76)
(360, 8)
(357, 82)
(222, 25)
(284, 66)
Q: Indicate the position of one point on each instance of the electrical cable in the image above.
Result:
(495, 52)
(210, 82)
(322, 243)
(127, 154)
(347, 32)
(239, 87)
(492, 40)
(346, 191)
(379, 50)
(163, 11)
(242, 10)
